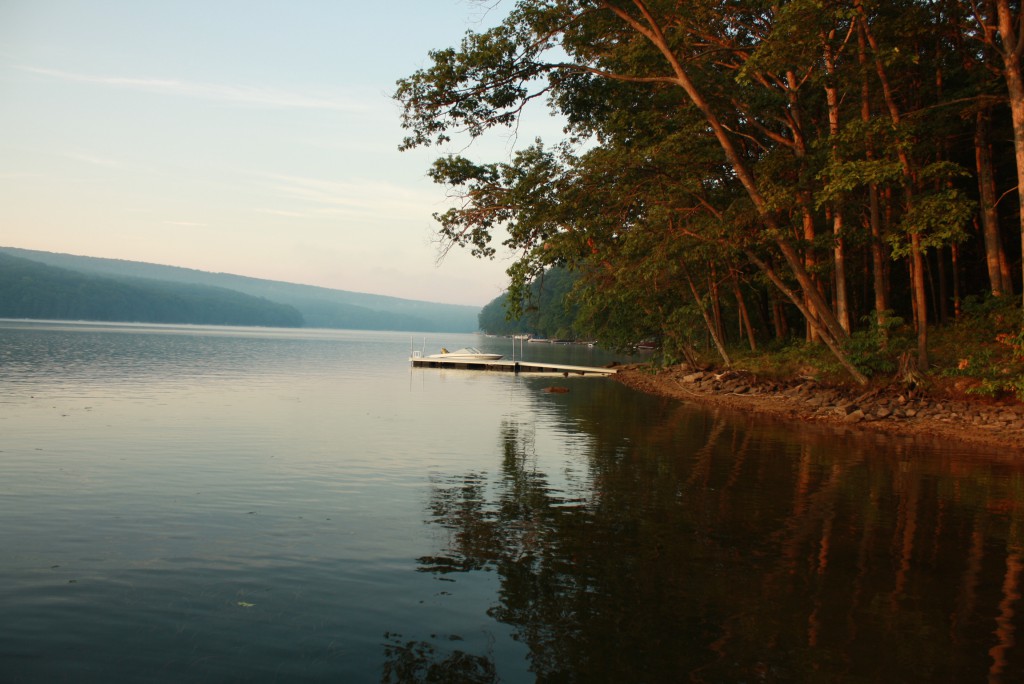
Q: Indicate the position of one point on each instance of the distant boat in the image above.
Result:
(465, 354)
(539, 339)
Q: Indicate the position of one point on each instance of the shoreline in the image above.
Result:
(929, 415)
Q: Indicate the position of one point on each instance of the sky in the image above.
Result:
(252, 137)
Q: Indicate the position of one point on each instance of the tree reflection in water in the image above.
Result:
(418, 661)
(711, 548)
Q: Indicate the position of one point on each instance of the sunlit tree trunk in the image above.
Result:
(810, 263)
(1012, 48)
(838, 246)
(1001, 29)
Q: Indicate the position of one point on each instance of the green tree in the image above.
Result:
(709, 140)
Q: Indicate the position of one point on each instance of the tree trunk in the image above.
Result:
(878, 256)
(839, 257)
(838, 246)
(954, 251)
(716, 303)
(830, 342)
(711, 327)
(917, 260)
(1013, 44)
(987, 193)
(943, 303)
(810, 260)
(1004, 268)
(741, 305)
(778, 315)
(909, 180)
(937, 281)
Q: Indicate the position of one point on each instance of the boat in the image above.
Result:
(465, 354)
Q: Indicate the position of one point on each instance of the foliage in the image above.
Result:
(876, 349)
(988, 348)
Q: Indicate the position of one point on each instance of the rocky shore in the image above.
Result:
(934, 413)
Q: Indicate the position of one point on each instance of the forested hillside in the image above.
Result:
(547, 312)
(29, 289)
(319, 307)
(838, 173)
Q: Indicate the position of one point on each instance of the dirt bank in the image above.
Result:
(936, 413)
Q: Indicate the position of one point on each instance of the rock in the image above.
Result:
(693, 377)
(854, 417)
(883, 413)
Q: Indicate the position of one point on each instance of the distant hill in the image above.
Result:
(319, 307)
(29, 289)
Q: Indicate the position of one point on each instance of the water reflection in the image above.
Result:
(419, 661)
(709, 548)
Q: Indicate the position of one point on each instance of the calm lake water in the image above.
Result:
(216, 505)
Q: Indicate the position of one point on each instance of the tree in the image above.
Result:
(1001, 27)
(715, 138)
(488, 81)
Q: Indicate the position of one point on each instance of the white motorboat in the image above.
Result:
(465, 354)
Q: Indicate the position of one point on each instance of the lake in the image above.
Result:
(204, 504)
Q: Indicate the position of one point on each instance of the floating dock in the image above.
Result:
(510, 366)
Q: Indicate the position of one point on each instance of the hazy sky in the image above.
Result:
(243, 136)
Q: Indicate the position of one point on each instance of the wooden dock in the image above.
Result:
(510, 366)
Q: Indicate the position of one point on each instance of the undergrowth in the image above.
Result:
(980, 354)
(986, 347)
